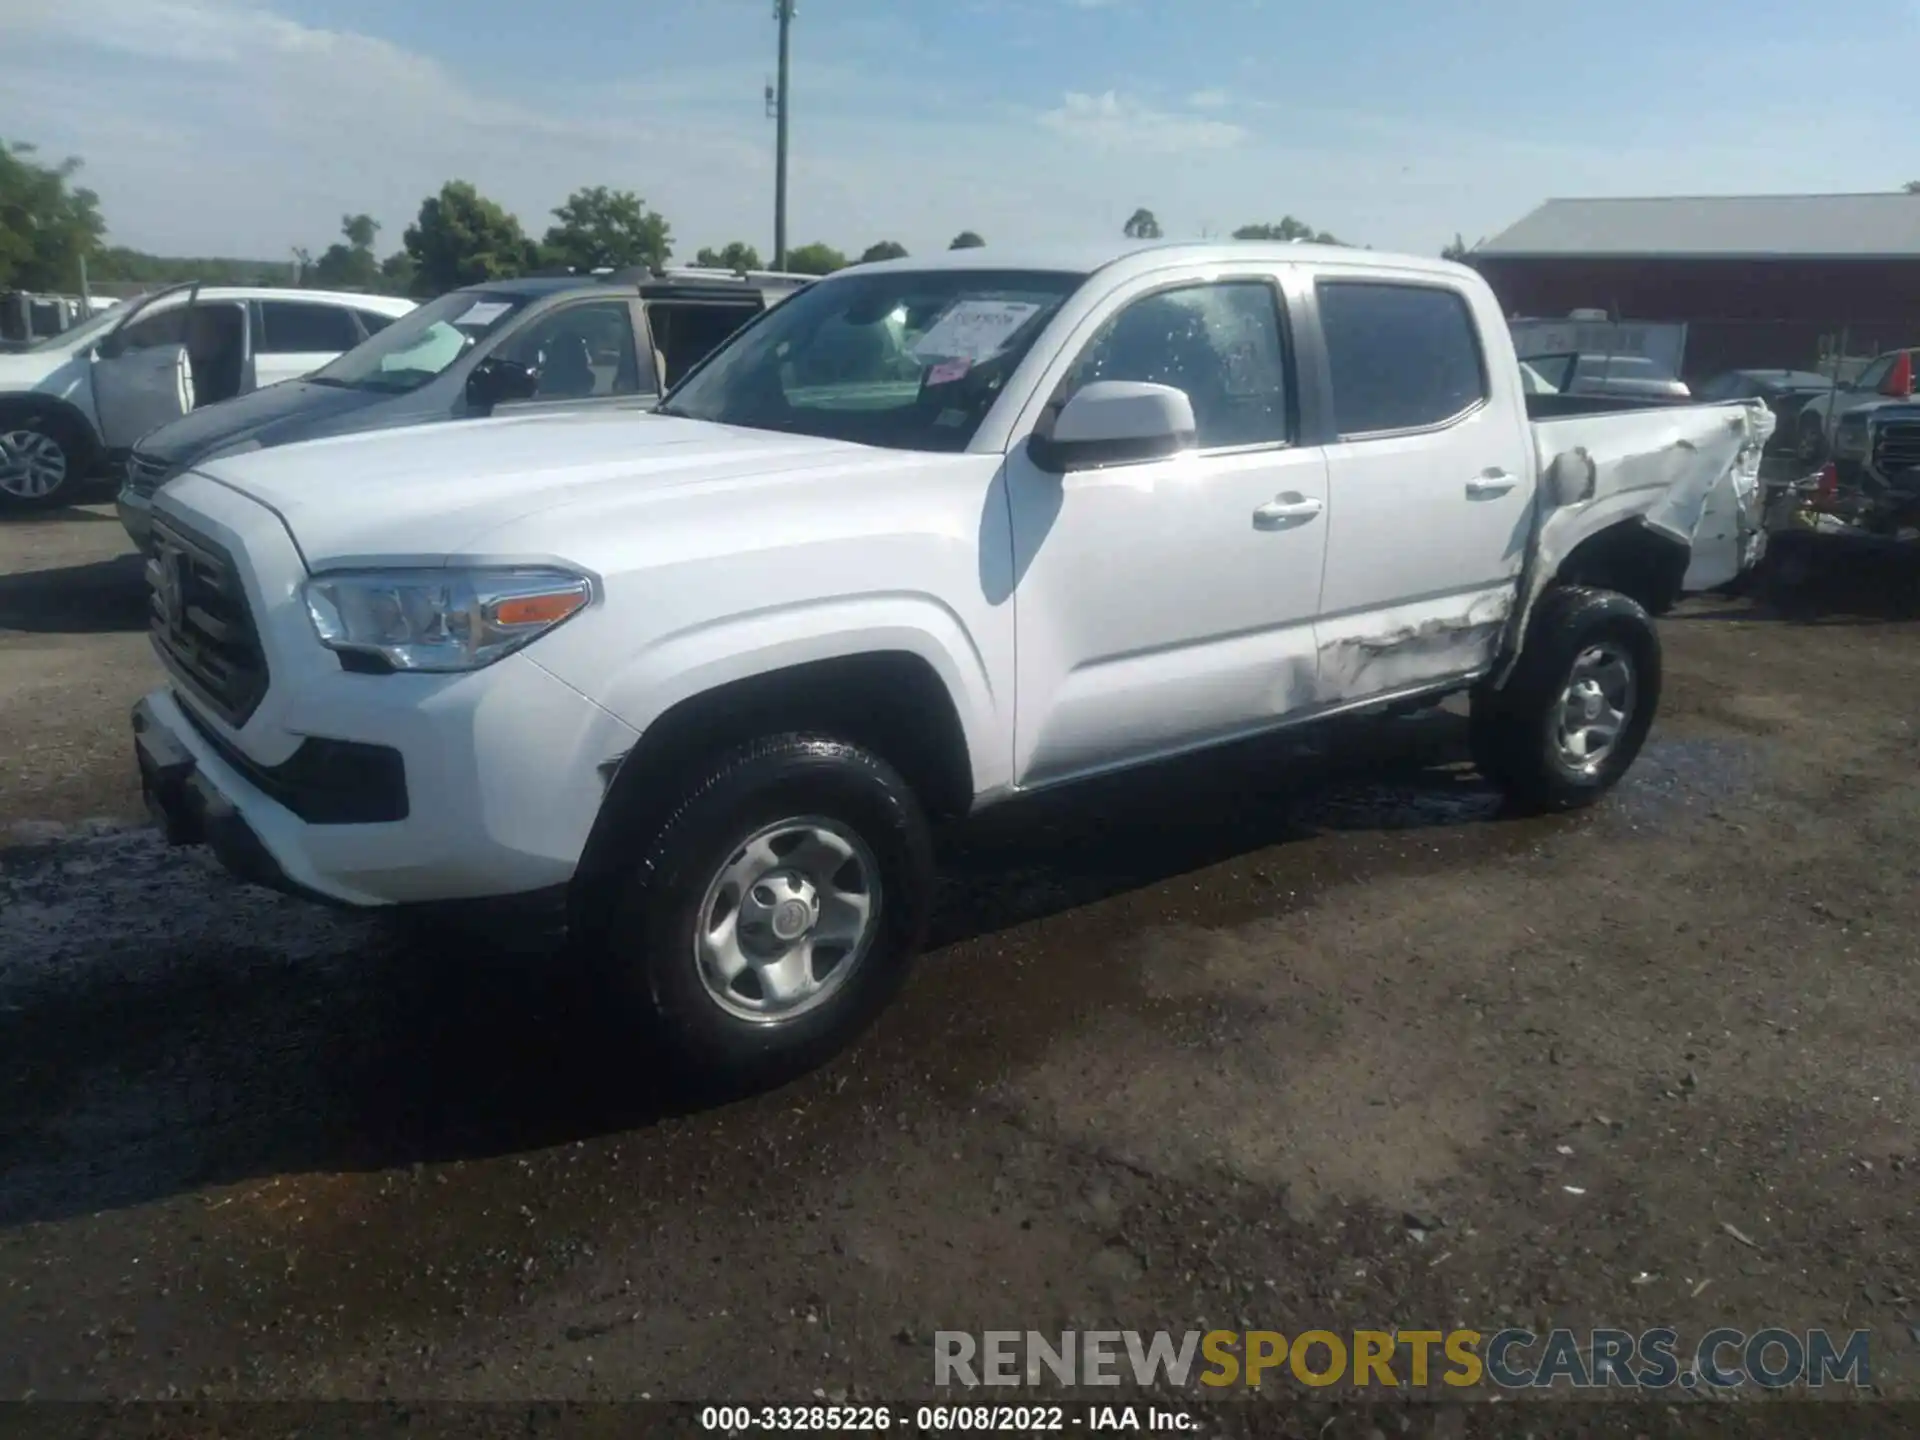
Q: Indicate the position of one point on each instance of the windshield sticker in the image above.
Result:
(483, 312)
(948, 371)
(974, 330)
(947, 419)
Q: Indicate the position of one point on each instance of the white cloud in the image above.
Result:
(228, 127)
(1116, 122)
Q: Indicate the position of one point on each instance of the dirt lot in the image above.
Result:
(1298, 1038)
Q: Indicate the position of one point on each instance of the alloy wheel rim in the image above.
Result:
(787, 920)
(32, 465)
(1594, 708)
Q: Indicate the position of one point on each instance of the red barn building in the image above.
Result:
(1759, 280)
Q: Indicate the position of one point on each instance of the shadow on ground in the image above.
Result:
(133, 1076)
(1826, 583)
(100, 597)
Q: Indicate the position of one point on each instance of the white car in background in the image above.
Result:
(77, 401)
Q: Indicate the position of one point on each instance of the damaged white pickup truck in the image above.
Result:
(930, 535)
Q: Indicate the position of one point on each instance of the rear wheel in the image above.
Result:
(777, 910)
(40, 462)
(1578, 707)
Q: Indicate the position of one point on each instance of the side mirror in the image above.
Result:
(494, 381)
(1114, 422)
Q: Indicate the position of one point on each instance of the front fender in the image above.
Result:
(678, 666)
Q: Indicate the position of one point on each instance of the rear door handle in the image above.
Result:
(1493, 482)
(1282, 508)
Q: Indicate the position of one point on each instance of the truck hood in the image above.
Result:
(276, 415)
(425, 494)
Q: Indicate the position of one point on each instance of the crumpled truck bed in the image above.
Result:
(1691, 472)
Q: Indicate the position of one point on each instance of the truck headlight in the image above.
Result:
(1850, 436)
(441, 620)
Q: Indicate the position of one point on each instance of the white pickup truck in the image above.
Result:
(931, 535)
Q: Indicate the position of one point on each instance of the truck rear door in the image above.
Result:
(1430, 474)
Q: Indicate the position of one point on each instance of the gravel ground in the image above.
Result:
(1301, 1037)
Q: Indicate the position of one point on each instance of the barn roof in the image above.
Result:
(1854, 227)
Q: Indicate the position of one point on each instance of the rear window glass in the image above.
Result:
(1403, 357)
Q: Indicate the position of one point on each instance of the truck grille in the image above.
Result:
(1896, 446)
(145, 472)
(202, 627)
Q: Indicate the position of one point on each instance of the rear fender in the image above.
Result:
(1657, 469)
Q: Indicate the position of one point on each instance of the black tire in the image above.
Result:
(1512, 732)
(1810, 440)
(647, 940)
(42, 430)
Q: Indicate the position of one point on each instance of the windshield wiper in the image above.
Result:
(331, 382)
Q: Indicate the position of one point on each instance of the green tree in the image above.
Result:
(116, 262)
(607, 228)
(1458, 250)
(397, 273)
(1288, 229)
(1141, 225)
(46, 223)
(350, 266)
(1913, 187)
(738, 255)
(815, 259)
(885, 250)
(463, 238)
(967, 240)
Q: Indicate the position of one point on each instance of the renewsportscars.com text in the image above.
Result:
(1508, 1359)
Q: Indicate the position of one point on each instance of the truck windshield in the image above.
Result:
(422, 343)
(907, 360)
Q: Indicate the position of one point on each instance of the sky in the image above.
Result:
(249, 127)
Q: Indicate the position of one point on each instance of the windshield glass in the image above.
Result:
(422, 343)
(908, 360)
(87, 331)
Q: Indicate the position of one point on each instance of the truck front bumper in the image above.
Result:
(415, 806)
(136, 517)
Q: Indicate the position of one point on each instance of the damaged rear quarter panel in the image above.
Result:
(1662, 468)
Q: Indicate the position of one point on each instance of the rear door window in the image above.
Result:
(293, 327)
(1402, 356)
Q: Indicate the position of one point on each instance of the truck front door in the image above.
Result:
(1165, 604)
(1431, 477)
(142, 376)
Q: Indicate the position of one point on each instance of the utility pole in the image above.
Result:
(783, 12)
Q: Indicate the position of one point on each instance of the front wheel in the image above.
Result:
(40, 463)
(1578, 707)
(777, 910)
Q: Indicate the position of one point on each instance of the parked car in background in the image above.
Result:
(1627, 376)
(1818, 423)
(928, 536)
(72, 405)
(571, 342)
(1785, 392)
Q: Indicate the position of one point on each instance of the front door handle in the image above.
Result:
(1493, 482)
(1283, 508)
